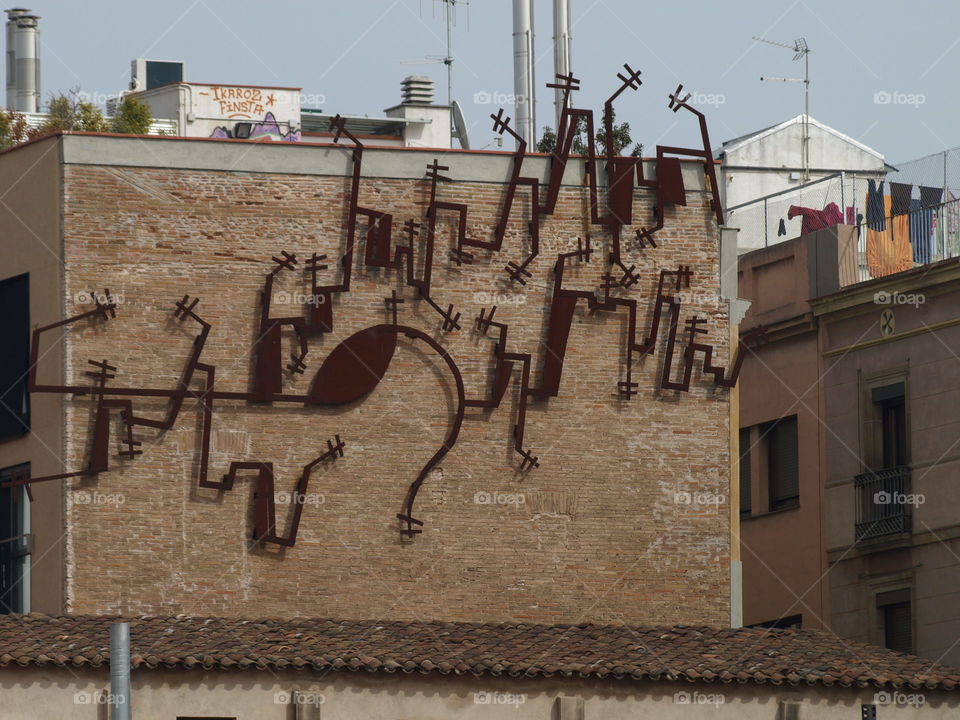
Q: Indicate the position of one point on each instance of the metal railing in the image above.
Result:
(883, 502)
(921, 236)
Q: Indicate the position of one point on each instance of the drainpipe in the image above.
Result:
(120, 671)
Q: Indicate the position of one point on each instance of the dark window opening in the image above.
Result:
(783, 470)
(745, 502)
(897, 616)
(14, 542)
(891, 411)
(15, 356)
(788, 622)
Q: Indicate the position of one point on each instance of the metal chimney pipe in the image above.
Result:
(561, 49)
(23, 61)
(120, 671)
(523, 77)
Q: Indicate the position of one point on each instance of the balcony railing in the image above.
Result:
(884, 502)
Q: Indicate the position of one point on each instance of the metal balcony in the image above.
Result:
(884, 504)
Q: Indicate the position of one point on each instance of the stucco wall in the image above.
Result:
(31, 243)
(251, 695)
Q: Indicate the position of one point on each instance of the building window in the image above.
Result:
(14, 543)
(14, 357)
(890, 410)
(745, 500)
(785, 623)
(782, 463)
(897, 617)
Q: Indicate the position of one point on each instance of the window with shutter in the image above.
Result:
(745, 502)
(897, 615)
(783, 469)
(14, 543)
(15, 356)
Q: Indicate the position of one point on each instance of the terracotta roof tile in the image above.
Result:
(696, 654)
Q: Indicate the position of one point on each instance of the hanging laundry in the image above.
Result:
(900, 198)
(851, 210)
(889, 250)
(921, 232)
(783, 228)
(875, 206)
(930, 196)
(816, 219)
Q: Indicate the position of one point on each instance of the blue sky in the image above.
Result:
(883, 73)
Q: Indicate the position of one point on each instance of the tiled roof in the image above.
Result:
(699, 654)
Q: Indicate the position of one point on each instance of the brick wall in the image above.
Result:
(595, 534)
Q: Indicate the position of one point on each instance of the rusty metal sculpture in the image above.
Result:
(356, 366)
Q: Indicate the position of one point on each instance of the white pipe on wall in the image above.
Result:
(561, 49)
(523, 76)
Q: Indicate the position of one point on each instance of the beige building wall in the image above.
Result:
(260, 695)
(30, 190)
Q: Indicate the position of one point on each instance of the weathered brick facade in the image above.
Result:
(596, 533)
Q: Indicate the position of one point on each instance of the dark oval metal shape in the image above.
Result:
(355, 367)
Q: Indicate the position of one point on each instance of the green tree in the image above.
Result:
(133, 117)
(13, 129)
(621, 139)
(69, 112)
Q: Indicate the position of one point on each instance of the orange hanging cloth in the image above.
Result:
(889, 251)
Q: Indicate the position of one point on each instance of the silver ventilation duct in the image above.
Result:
(23, 61)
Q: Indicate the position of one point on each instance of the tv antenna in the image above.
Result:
(450, 11)
(800, 50)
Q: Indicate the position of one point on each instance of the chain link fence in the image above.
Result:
(909, 218)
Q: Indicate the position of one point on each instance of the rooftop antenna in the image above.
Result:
(450, 10)
(800, 50)
(457, 126)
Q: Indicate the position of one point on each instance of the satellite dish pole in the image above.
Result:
(800, 50)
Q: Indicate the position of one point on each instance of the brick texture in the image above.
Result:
(595, 534)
